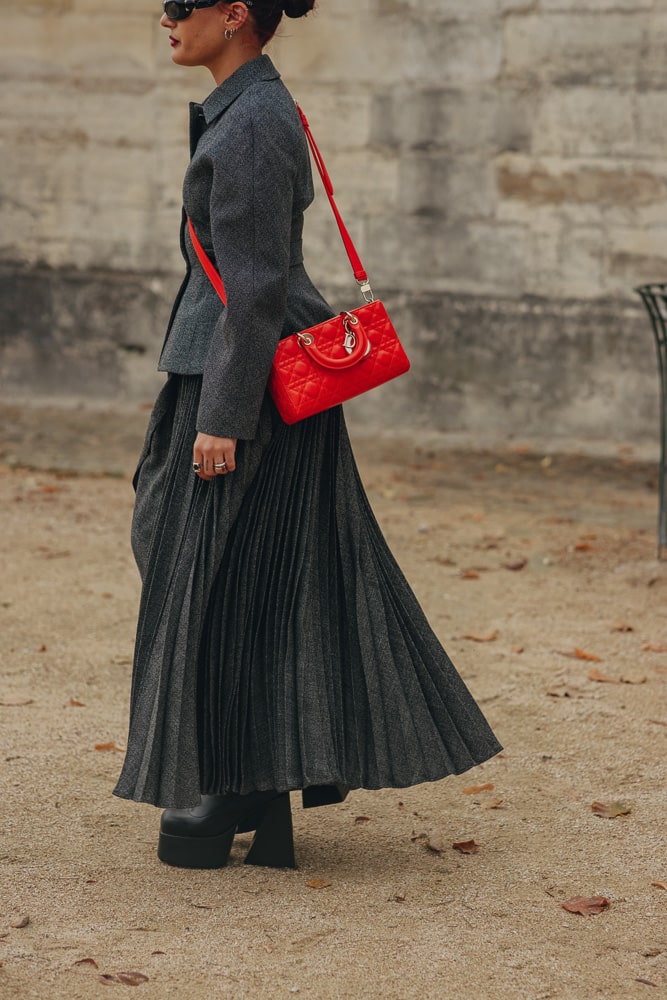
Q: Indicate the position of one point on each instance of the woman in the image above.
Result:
(278, 647)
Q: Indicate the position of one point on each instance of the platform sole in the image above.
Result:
(195, 852)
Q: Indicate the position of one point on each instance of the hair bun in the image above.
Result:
(298, 8)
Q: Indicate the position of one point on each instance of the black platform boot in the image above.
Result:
(323, 795)
(202, 837)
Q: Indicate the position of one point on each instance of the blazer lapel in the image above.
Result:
(197, 126)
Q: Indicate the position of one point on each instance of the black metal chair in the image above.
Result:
(654, 298)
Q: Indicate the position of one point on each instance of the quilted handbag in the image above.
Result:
(338, 359)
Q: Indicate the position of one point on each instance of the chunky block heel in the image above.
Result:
(251, 820)
(273, 844)
(196, 852)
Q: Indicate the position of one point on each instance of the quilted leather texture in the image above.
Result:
(300, 387)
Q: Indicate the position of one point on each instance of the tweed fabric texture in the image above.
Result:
(279, 644)
(247, 186)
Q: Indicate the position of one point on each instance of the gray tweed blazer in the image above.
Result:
(247, 186)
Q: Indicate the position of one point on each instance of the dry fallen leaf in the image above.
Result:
(486, 637)
(88, 961)
(586, 907)
(435, 843)
(466, 847)
(15, 701)
(20, 922)
(396, 899)
(622, 627)
(41, 649)
(633, 678)
(658, 722)
(610, 810)
(469, 574)
(516, 565)
(131, 978)
(109, 746)
(76, 704)
(123, 978)
(600, 678)
(362, 819)
(584, 547)
(654, 647)
(659, 885)
(567, 691)
(158, 953)
(496, 804)
(475, 789)
(518, 649)
(581, 654)
(318, 883)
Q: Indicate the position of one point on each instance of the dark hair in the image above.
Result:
(267, 14)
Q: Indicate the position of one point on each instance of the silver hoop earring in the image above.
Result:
(229, 34)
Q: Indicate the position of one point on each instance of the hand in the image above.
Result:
(210, 451)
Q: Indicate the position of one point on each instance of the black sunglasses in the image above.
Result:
(178, 10)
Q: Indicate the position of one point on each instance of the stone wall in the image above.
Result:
(502, 164)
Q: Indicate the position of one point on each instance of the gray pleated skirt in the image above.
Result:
(278, 645)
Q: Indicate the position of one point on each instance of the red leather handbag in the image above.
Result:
(333, 361)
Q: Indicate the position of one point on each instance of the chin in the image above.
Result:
(181, 59)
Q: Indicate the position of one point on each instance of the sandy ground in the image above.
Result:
(395, 918)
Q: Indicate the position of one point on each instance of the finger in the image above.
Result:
(199, 467)
(219, 464)
(230, 459)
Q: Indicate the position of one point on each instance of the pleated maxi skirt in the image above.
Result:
(278, 646)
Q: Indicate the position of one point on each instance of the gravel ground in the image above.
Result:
(547, 561)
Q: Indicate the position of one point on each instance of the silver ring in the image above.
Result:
(223, 465)
(196, 467)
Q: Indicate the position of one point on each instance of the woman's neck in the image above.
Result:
(232, 58)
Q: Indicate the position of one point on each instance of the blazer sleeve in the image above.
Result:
(251, 220)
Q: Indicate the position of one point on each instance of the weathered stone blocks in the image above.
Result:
(501, 164)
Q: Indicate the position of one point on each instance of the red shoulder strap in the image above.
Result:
(207, 264)
(357, 267)
(355, 260)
